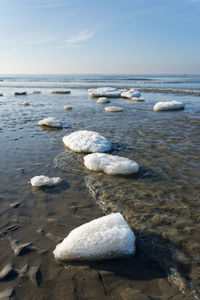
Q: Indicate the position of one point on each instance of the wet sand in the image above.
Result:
(46, 216)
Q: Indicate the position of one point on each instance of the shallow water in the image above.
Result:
(161, 203)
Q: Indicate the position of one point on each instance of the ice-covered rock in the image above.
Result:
(104, 92)
(168, 105)
(45, 181)
(114, 108)
(86, 141)
(110, 164)
(50, 122)
(103, 100)
(132, 93)
(26, 103)
(103, 238)
(137, 99)
(68, 107)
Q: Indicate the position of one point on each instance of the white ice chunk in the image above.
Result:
(110, 164)
(50, 122)
(113, 108)
(103, 100)
(86, 141)
(170, 105)
(105, 92)
(45, 181)
(68, 107)
(132, 93)
(103, 238)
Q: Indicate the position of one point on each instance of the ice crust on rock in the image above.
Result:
(168, 105)
(104, 92)
(87, 141)
(45, 181)
(132, 93)
(103, 100)
(110, 164)
(50, 122)
(114, 108)
(103, 238)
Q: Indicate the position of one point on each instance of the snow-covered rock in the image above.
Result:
(68, 107)
(132, 93)
(26, 103)
(103, 100)
(103, 238)
(110, 164)
(86, 141)
(104, 92)
(137, 99)
(45, 181)
(114, 108)
(50, 122)
(168, 105)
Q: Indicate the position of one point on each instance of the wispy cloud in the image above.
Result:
(77, 40)
(41, 42)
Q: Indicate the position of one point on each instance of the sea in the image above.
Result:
(161, 203)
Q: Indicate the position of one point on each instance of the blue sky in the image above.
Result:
(99, 36)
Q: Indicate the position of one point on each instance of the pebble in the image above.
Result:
(26, 103)
(14, 205)
(60, 92)
(68, 107)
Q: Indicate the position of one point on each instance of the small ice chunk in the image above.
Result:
(137, 99)
(103, 100)
(114, 108)
(104, 92)
(168, 105)
(86, 141)
(68, 107)
(50, 122)
(110, 164)
(132, 93)
(45, 181)
(103, 238)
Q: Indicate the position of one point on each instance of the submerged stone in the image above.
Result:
(110, 164)
(103, 238)
(86, 141)
(42, 180)
(168, 105)
(50, 122)
(114, 109)
(68, 107)
(60, 92)
(20, 93)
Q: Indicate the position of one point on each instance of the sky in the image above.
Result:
(99, 36)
